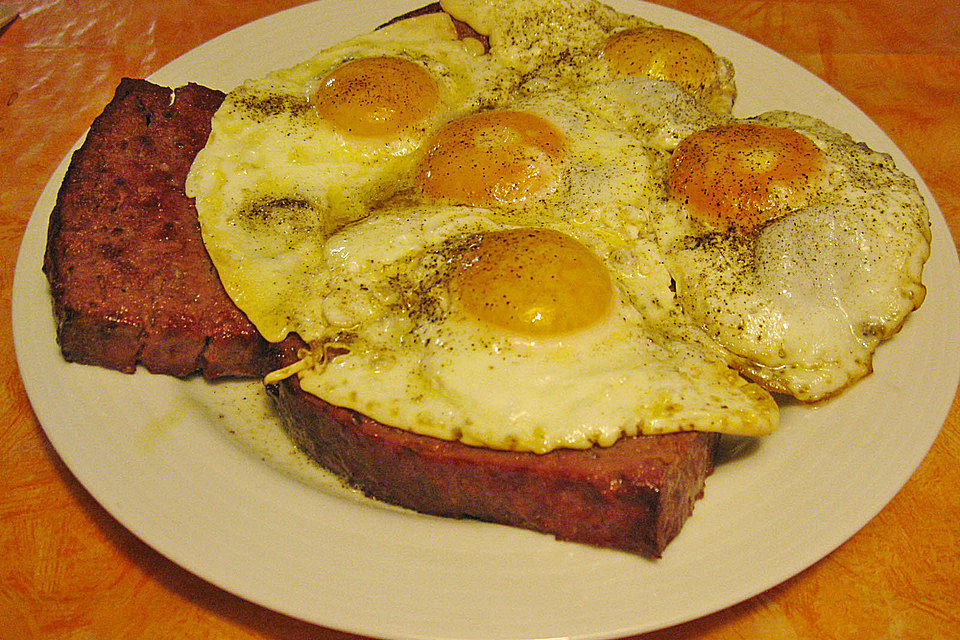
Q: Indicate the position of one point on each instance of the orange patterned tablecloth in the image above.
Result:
(69, 571)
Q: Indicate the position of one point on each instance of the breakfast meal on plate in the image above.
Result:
(511, 260)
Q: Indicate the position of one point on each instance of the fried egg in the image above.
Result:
(546, 154)
(457, 323)
(797, 249)
(304, 150)
(568, 41)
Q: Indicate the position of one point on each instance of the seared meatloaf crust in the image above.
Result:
(634, 495)
(130, 278)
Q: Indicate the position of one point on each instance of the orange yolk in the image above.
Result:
(662, 54)
(536, 282)
(492, 157)
(739, 176)
(379, 96)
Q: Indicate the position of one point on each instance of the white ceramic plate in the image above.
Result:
(158, 454)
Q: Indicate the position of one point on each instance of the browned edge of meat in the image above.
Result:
(130, 278)
(634, 495)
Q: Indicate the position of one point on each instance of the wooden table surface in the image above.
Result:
(68, 570)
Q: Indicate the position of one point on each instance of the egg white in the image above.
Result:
(659, 113)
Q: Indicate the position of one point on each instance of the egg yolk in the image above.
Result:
(740, 176)
(536, 282)
(492, 157)
(377, 96)
(662, 54)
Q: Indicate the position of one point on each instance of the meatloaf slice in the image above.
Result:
(634, 495)
(130, 279)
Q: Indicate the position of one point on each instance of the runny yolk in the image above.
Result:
(377, 96)
(739, 176)
(537, 282)
(492, 157)
(662, 54)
